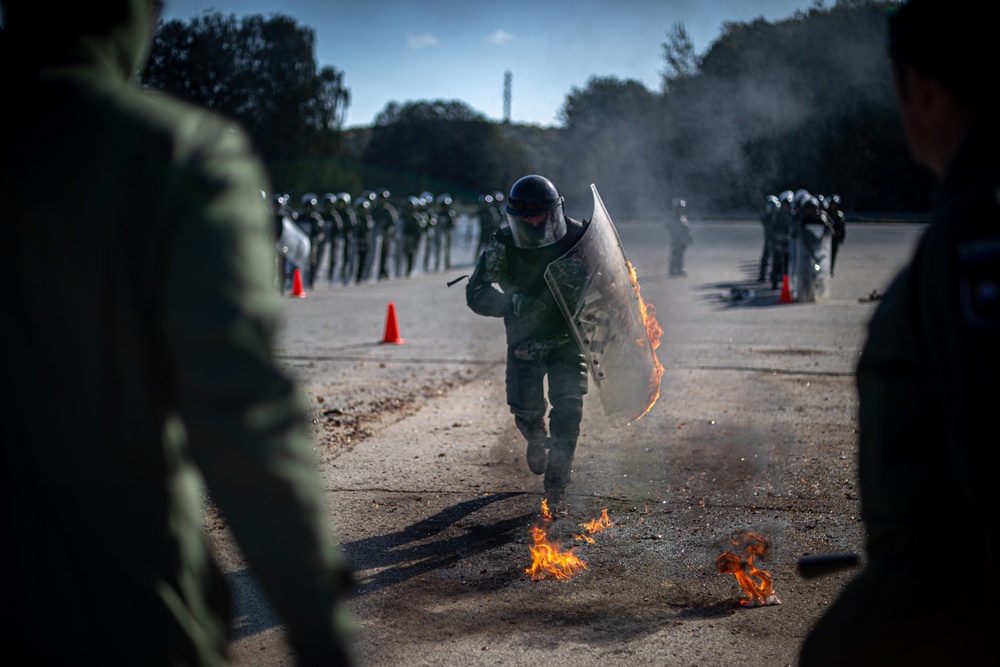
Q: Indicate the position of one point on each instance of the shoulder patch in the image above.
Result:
(495, 260)
(979, 283)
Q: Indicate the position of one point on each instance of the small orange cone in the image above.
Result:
(786, 292)
(297, 284)
(392, 327)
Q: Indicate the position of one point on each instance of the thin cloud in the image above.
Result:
(501, 37)
(422, 41)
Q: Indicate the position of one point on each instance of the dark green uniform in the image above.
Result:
(929, 451)
(138, 361)
(539, 346)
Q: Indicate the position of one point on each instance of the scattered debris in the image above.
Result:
(739, 295)
(874, 296)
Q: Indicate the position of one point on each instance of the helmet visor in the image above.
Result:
(536, 224)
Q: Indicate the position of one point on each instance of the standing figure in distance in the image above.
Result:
(412, 223)
(540, 343)
(363, 234)
(680, 236)
(349, 248)
(282, 210)
(157, 332)
(927, 374)
(334, 234)
(836, 215)
(312, 223)
(781, 237)
(489, 220)
(771, 207)
(384, 218)
(432, 244)
(446, 229)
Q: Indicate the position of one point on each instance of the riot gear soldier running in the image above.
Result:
(539, 339)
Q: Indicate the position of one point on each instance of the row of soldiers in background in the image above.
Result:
(802, 234)
(353, 238)
(490, 217)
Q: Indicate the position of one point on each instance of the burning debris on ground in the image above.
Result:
(593, 527)
(755, 584)
(549, 559)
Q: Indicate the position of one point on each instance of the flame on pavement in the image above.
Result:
(754, 584)
(594, 527)
(654, 331)
(548, 559)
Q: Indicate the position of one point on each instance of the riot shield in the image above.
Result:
(596, 290)
(809, 263)
(294, 244)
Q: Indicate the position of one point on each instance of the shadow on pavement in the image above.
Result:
(408, 553)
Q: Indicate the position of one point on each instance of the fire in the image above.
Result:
(755, 584)
(548, 560)
(593, 527)
(654, 332)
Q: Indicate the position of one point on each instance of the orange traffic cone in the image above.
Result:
(297, 284)
(392, 327)
(786, 292)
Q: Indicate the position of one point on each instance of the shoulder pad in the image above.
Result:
(494, 259)
(504, 236)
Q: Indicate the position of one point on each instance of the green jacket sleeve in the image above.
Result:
(246, 427)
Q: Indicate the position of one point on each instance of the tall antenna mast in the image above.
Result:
(506, 96)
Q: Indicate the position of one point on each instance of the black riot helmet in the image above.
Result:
(535, 212)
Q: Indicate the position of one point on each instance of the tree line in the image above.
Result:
(805, 102)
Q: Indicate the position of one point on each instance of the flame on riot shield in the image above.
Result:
(598, 292)
(653, 334)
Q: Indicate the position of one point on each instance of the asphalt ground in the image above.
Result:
(754, 430)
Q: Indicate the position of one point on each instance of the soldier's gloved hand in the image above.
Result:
(526, 306)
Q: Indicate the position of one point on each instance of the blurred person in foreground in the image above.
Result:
(927, 377)
(141, 358)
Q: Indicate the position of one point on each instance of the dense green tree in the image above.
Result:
(679, 56)
(259, 71)
(805, 102)
(447, 141)
(612, 129)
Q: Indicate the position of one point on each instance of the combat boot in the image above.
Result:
(538, 454)
(555, 498)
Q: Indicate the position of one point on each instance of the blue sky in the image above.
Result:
(391, 50)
